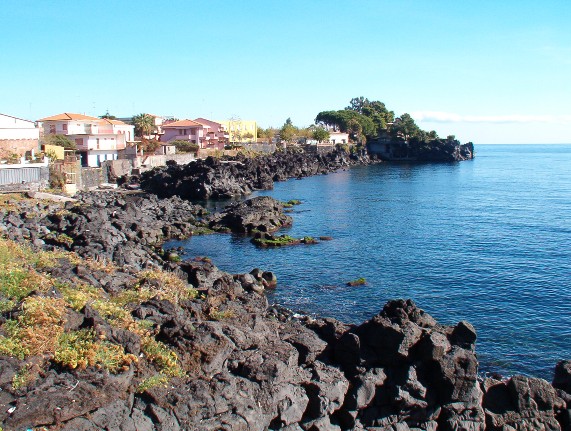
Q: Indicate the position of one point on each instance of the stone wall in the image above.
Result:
(17, 146)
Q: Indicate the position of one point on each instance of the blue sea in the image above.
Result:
(487, 241)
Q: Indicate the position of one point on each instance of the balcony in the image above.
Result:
(189, 138)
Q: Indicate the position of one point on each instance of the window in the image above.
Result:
(64, 127)
(52, 129)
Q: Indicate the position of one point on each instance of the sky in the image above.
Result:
(486, 71)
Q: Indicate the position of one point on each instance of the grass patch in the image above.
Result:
(79, 295)
(39, 328)
(216, 314)
(23, 377)
(164, 358)
(202, 230)
(151, 382)
(80, 349)
(166, 285)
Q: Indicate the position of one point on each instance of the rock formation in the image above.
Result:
(213, 178)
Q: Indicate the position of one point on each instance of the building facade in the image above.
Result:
(96, 139)
(17, 136)
(240, 131)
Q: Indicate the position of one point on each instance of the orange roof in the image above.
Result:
(66, 116)
(183, 123)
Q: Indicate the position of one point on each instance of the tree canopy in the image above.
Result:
(108, 116)
(320, 134)
(346, 121)
(364, 119)
(60, 141)
(288, 131)
(183, 146)
(144, 124)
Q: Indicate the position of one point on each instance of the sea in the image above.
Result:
(486, 240)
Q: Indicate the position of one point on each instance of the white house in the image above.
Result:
(338, 138)
(96, 139)
(17, 136)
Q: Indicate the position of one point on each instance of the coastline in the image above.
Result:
(398, 369)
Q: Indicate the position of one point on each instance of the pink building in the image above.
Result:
(96, 139)
(207, 134)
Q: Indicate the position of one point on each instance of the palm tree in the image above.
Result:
(144, 124)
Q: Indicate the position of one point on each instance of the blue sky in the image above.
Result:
(486, 71)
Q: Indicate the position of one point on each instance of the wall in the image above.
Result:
(96, 158)
(261, 148)
(12, 128)
(59, 151)
(18, 146)
(92, 177)
(104, 143)
(24, 176)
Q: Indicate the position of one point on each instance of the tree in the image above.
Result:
(288, 131)
(108, 116)
(357, 104)
(405, 127)
(60, 141)
(144, 124)
(320, 134)
(341, 121)
(149, 145)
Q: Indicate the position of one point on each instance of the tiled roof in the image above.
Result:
(66, 116)
(206, 121)
(183, 123)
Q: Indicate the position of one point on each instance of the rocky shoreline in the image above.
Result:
(195, 348)
(239, 176)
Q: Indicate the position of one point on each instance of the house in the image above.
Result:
(240, 131)
(184, 130)
(96, 139)
(17, 136)
(338, 138)
(205, 133)
(216, 134)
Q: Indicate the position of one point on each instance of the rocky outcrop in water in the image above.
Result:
(262, 214)
(214, 178)
(415, 150)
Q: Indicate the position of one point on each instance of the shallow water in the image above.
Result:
(487, 241)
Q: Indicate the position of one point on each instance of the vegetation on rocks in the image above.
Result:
(357, 282)
(37, 319)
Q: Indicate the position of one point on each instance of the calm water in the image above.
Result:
(488, 241)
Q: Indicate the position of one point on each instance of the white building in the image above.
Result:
(96, 139)
(17, 136)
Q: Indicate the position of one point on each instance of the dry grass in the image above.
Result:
(166, 285)
(39, 327)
